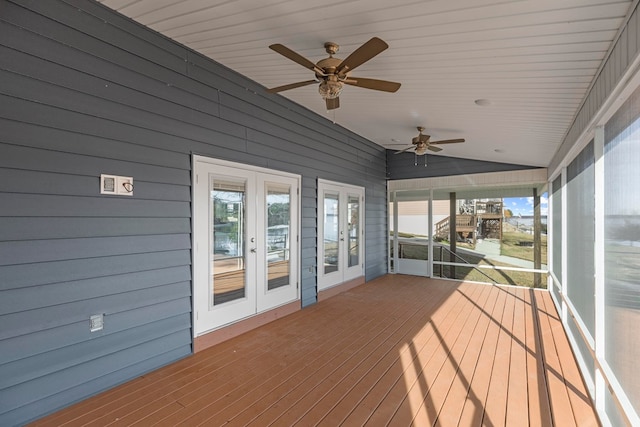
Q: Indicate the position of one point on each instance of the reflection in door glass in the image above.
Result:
(278, 235)
(228, 266)
(353, 215)
(331, 231)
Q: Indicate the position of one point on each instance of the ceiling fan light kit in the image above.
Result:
(329, 89)
(332, 73)
(420, 150)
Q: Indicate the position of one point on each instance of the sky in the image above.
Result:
(524, 205)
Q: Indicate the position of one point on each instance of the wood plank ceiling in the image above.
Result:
(533, 60)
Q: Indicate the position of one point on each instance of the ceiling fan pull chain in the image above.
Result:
(416, 158)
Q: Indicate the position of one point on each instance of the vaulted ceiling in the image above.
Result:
(533, 61)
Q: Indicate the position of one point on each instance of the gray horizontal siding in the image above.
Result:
(84, 91)
(16, 204)
(52, 161)
(34, 228)
(32, 182)
(40, 365)
(16, 300)
(35, 251)
(308, 243)
(111, 365)
(376, 225)
(402, 166)
(62, 397)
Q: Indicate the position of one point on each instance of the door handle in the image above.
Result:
(253, 250)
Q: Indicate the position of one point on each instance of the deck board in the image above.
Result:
(517, 406)
(558, 391)
(459, 392)
(537, 393)
(495, 407)
(474, 407)
(450, 372)
(399, 350)
(410, 391)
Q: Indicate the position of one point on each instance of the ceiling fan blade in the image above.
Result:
(406, 149)
(434, 148)
(448, 141)
(383, 85)
(291, 86)
(332, 104)
(362, 55)
(296, 57)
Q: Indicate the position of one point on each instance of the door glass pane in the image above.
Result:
(228, 266)
(413, 229)
(353, 215)
(331, 231)
(278, 233)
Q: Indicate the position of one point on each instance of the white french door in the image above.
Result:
(340, 233)
(245, 241)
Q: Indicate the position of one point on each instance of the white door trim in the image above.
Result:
(344, 273)
(258, 299)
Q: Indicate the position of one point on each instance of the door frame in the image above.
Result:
(409, 266)
(344, 274)
(197, 225)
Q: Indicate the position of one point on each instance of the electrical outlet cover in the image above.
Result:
(108, 184)
(96, 322)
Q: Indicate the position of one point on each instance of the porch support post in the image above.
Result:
(453, 234)
(537, 239)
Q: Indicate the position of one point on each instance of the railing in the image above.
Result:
(464, 223)
(442, 228)
(466, 263)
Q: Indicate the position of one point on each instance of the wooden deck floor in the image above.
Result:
(400, 350)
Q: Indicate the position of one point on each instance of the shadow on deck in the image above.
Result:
(395, 351)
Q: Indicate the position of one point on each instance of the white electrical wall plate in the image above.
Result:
(108, 184)
(116, 185)
(96, 322)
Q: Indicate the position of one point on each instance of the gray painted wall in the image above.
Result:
(84, 91)
(403, 166)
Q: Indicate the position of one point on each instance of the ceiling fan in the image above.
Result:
(332, 73)
(422, 143)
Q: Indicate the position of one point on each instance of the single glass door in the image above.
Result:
(410, 231)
